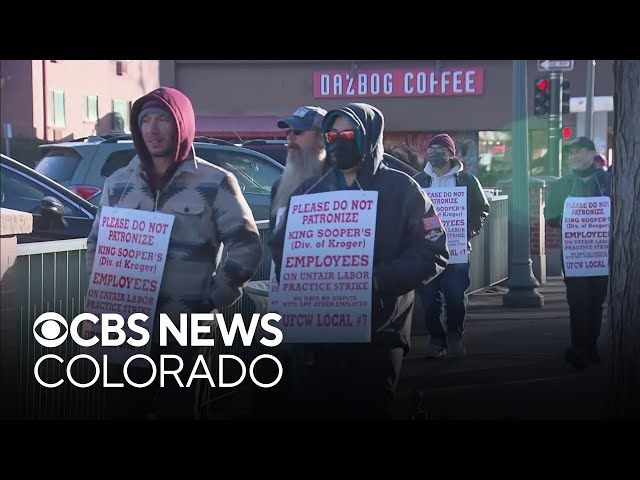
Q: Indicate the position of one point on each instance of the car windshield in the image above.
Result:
(59, 165)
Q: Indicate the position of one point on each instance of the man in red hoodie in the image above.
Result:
(209, 209)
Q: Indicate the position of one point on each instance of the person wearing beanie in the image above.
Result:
(209, 212)
(153, 106)
(447, 293)
(444, 140)
(358, 380)
(585, 294)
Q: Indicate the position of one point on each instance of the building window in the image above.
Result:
(90, 107)
(55, 106)
(121, 67)
(120, 116)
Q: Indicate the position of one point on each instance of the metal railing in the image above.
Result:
(489, 249)
(52, 277)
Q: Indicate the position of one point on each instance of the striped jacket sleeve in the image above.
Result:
(242, 249)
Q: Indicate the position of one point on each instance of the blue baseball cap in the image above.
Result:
(581, 142)
(304, 118)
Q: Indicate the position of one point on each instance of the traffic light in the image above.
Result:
(541, 97)
(566, 96)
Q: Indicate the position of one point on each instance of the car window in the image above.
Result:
(116, 161)
(278, 153)
(254, 174)
(208, 154)
(59, 165)
(23, 193)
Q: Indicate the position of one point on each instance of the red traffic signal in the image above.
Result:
(566, 133)
(542, 97)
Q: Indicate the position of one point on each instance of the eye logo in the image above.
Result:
(51, 323)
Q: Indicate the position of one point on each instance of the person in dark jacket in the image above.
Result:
(359, 379)
(448, 292)
(585, 295)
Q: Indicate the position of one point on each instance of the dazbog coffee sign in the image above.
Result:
(398, 83)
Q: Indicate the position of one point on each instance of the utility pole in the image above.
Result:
(588, 116)
(522, 284)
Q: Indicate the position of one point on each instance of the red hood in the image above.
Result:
(180, 107)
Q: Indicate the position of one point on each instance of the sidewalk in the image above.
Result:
(514, 368)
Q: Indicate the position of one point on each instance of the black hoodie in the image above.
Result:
(404, 254)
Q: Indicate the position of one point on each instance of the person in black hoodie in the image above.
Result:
(585, 295)
(358, 380)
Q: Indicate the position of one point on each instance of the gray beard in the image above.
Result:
(300, 166)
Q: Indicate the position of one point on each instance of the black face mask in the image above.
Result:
(344, 153)
(437, 159)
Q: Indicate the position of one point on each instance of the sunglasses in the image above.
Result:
(332, 136)
(295, 132)
(438, 148)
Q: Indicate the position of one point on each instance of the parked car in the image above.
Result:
(58, 213)
(276, 149)
(83, 166)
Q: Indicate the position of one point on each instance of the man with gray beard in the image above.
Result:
(305, 156)
(305, 159)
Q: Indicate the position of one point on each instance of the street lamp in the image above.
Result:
(522, 284)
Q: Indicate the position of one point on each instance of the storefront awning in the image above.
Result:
(248, 126)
